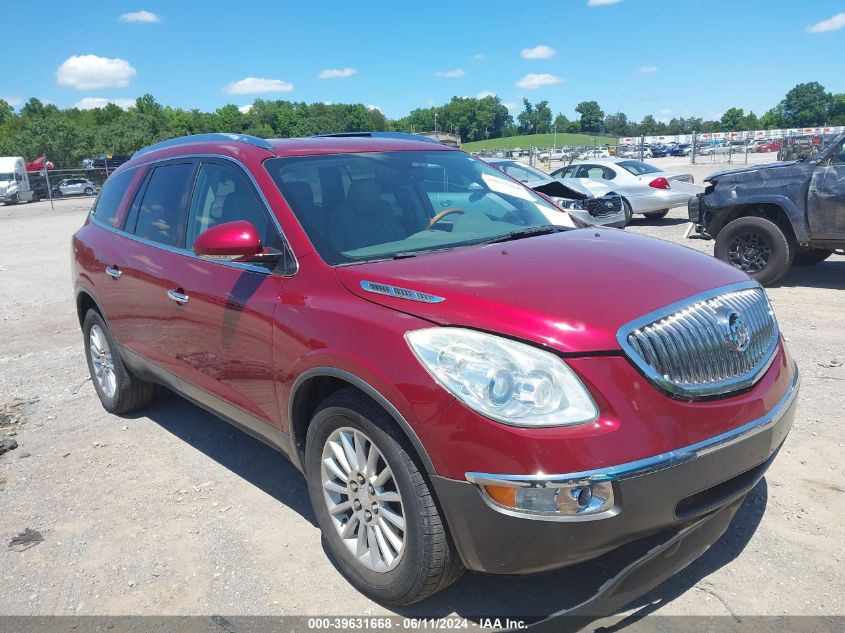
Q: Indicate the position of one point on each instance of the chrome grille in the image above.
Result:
(606, 205)
(712, 344)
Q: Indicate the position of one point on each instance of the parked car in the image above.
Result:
(74, 187)
(465, 378)
(709, 149)
(630, 152)
(767, 217)
(591, 203)
(14, 180)
(681, 149)
(594, 153)
(769, 146)
(660, 151)
(644, 188)
(102, 162)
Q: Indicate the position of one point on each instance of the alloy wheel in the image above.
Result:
(101, 361)
(749, 252)
(363, 499)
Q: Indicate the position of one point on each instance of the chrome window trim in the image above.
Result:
(190, 253)
(640, 467)
(693, 392)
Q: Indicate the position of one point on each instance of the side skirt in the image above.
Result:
(246, 422)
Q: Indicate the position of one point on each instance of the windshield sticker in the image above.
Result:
(507, 187)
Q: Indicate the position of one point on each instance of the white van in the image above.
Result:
(14, 183)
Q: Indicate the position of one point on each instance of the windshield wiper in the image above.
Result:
(522, 233)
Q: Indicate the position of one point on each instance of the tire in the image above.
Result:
(656, 215)
(119, 391)
(89, 191)
(57, 193)
(756, 246)
(426, 560)
(811, 257)
(629, 212)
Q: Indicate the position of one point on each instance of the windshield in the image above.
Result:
(6, 177)
(362, 207)
(637, 168)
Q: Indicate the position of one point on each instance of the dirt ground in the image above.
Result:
(172, 511)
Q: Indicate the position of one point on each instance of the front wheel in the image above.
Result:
(656, 215)
(811, 257)
(756, 246)
(629, 212)
(89, 191)
(374, 505)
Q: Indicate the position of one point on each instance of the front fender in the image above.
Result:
(717, 209)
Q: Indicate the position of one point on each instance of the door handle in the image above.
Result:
(114, 272)
(179, 297)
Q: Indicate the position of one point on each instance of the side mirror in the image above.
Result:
(229, 241)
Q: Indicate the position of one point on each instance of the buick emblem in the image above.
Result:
(737, 332)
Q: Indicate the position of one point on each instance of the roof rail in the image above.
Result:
(405, 136)
(205, 138)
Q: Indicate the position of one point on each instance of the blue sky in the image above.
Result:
(662, 57)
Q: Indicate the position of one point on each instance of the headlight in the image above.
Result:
(501, 379)
(11, 189)
(566, 203)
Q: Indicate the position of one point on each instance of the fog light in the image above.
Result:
(553, 500)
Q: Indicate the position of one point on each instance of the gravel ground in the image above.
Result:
(173, 512)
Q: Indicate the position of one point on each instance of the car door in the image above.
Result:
(141, 257)
(219, 323)
(826, 197)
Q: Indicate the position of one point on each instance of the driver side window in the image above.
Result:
(839, 158)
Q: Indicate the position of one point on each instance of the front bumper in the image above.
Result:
(667, 492)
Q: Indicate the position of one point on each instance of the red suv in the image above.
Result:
(465, 377)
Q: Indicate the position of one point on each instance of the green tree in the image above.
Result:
(733, 119)
(592, 116)
(752, 122)
(774, 119)
(617, 124)
(806, 104)
(836, 116)
(6, 112)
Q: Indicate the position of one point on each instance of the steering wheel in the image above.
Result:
(442, 215)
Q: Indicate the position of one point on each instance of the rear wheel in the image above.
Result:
(89, 191)
(756, 246)
(811, 257)
(374, 505)
(118, 390)
(656, 215)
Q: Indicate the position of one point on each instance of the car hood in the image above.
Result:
(571, 291)
(573, 189)
(753, 168)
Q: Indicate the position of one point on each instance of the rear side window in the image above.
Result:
(161, 216)
(108, 202)
(637, 168)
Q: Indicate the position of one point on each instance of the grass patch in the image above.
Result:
(537, 140)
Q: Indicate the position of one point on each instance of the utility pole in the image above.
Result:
(435, 127)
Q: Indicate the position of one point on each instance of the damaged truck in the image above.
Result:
(767, 217)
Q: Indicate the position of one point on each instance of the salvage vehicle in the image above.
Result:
(465, 378)
(767, 217)
(591, 202)
(14, 181)
(74, 187)
(644, 188)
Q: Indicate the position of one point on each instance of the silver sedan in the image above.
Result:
(644, 188)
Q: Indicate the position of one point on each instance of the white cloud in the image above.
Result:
(648, 69)
(91, 72)
(479, 56)
(89, 103)
(451, 74)
(257, 85)
(666, 111)
(145, 17)
(12, 101)
(538, 52)
(532, 81)
(826, 26)
(485, 93)
(511, 105)
(601, 3)
(336, 73)
(373, 107)
(244, 109)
